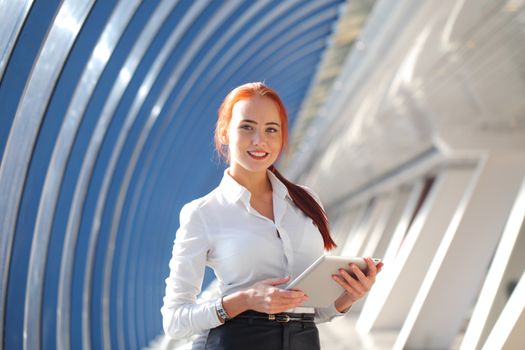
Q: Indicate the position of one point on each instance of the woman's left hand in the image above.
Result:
(355, 287)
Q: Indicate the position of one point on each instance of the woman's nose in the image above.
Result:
(258, 138)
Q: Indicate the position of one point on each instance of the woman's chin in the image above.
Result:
(253, 166)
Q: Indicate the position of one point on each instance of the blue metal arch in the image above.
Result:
(139, 148)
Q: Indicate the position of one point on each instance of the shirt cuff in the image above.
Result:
(336, 312)
(327, 313)
(216, 319)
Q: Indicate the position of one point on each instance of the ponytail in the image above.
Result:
(309, 206)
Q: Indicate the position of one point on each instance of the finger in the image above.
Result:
(276, 307)
(280, 304)
(360, 284)
(294, 301)
(279, 309)
(369, 279)
(281, 296)
(289, 294)
(287, 302)
(276, 281)
(365, 281)
(380, 267)
(372, 269)
(350, 290)
(359, 274)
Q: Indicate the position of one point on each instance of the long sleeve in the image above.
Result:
(181, 316)
(325, 314)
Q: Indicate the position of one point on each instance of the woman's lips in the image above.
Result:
(257, 154)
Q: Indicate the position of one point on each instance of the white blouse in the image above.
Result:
(221, 230)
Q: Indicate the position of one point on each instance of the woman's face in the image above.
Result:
(254, 135)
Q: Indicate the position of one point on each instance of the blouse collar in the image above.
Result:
(233, 191)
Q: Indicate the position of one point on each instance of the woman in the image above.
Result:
(256, 230)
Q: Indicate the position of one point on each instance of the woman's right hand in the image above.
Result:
(265, 296)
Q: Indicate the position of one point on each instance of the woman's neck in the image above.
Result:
(256, 183)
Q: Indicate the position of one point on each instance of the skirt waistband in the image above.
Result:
(284, 318)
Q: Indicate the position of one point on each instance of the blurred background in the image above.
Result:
(407, 118)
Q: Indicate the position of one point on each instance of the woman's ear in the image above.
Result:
(224, 138)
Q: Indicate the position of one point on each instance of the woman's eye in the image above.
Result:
(246, 127)
(272, 130)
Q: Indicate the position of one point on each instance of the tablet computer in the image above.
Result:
(317, 282)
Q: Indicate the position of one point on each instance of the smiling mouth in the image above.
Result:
(258, 155)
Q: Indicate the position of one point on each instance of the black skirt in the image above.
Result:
(253, 330)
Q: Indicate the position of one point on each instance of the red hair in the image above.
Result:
(301, 198)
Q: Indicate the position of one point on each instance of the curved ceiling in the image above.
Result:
(108, 110)
(427, 80)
